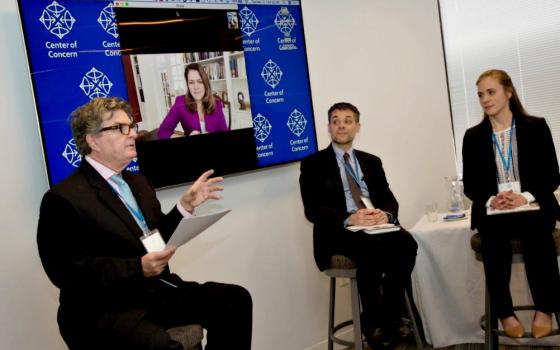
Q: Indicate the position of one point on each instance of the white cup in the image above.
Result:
(432, 212)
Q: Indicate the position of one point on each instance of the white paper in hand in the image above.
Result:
(192, 226)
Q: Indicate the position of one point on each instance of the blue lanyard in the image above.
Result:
(136, 213)
(505, 164)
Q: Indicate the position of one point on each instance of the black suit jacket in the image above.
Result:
(538, 166)
(323, 197)
(90, 247)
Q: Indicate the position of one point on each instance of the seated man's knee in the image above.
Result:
(409, 244)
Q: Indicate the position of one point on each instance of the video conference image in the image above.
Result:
(162, 72)
(212, 84)
(161, 87)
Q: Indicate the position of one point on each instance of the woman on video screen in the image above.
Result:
(198, 111)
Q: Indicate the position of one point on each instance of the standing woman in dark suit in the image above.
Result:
(509, 160)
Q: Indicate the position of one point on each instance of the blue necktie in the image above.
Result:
(126, 196)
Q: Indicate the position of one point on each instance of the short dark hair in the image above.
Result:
(343, 106)
(87, 119)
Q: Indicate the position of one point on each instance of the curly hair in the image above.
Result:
(87, 119)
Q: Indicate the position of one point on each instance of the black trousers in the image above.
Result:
(539, 255)
(224, 310)
(383, 266)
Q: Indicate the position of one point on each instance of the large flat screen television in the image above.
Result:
(252, 51)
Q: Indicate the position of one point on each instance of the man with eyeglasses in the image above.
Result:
(113, 294)
(343, 188)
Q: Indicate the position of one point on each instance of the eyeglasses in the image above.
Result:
(123, 128)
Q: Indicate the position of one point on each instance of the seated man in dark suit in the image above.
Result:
(113, 294)
(341, 187)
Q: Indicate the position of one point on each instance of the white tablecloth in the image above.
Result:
(448, 284)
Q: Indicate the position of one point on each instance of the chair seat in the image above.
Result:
(189, 336)
(341, 267)
(341, 262)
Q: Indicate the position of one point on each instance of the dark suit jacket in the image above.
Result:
(538, 166)
(323, 197)
(90, 248)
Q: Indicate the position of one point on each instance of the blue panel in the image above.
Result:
(279, 83)
(74, 55)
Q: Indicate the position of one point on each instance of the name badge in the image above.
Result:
(514, 186)
(153, 241)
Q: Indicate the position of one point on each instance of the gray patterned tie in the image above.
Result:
(354, 188)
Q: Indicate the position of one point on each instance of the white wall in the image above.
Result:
(385, 56)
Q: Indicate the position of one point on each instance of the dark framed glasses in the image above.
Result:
(123, 128)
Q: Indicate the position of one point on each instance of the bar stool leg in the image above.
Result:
(358, 344)
(490, 334)
(331, 312)
(415, 330)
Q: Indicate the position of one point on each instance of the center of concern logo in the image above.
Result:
(57, 19)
